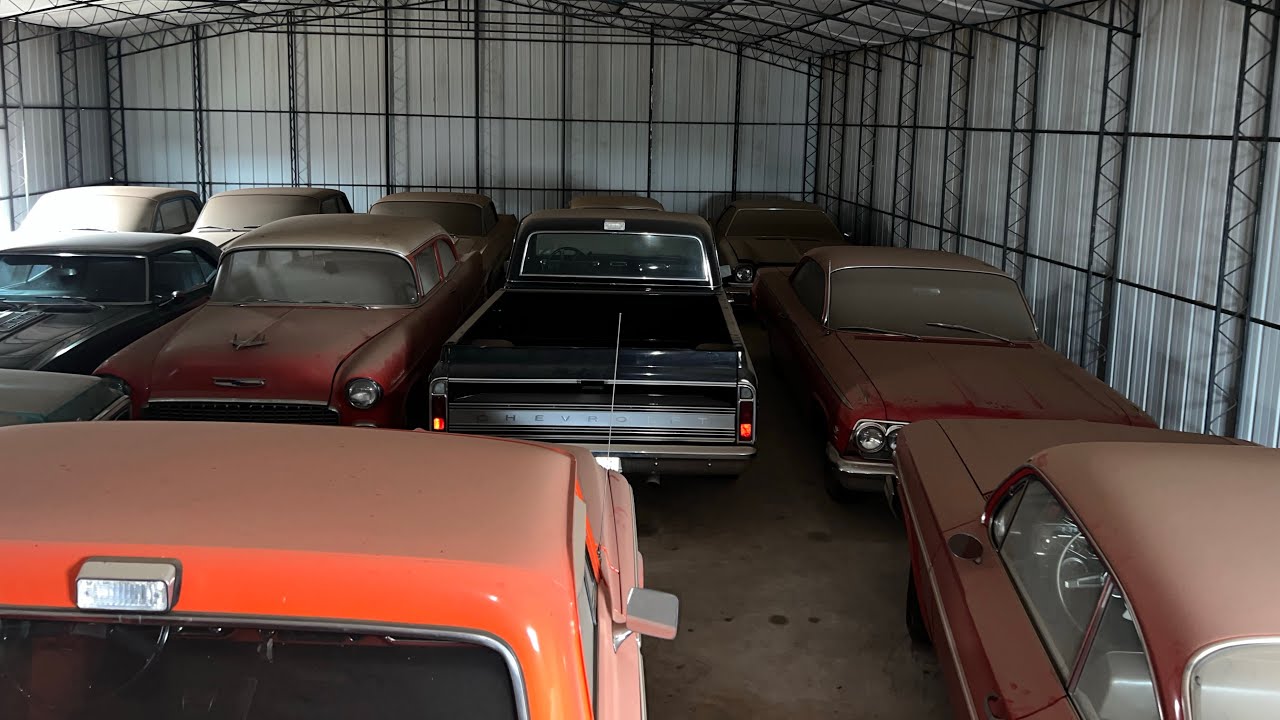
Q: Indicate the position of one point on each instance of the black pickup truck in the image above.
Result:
(613, 333)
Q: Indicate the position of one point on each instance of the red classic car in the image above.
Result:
(329, 574)
(1123, 577)
(883, 337)
(328, 319)
(473, 221)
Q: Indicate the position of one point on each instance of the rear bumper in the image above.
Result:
(859, 474)
(640, 459)
(739, 293)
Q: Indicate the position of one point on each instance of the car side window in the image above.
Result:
(489, 218)
(809, 284)
(191, 209)
(1058, 574)
(207, 266)
(722, 223)
(171, 216)
(331, 205)
(588, 596)
(447, 258)
(427, 269)
(1115, 683)
(177, 271)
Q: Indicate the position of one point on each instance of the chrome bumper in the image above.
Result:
(677, 459)
(859, 474)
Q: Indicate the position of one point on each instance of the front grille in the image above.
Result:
(241, 411)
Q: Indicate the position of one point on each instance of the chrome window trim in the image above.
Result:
(111, 411)
(706, 280)
(390, 631)
(1208, 650)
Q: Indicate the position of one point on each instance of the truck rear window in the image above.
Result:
(78, 671)
(616, 255)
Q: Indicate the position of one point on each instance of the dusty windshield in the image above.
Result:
(788, 223)
(340, 277)
(455, 218)
(616, 255)
(930, 303)
(245, 212)
(98, 671)
(97, 278)
(112, 213)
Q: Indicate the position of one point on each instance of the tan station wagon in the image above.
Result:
(230, 214)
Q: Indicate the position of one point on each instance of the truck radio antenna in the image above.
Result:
(613, 391)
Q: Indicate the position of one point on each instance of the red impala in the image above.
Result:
(1118, 580)
(326, 319)
(883, 337)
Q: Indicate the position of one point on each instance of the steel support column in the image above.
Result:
(118, 159)
(737, 122)
(1247, 174)
(14, 117)
(69, 82)
(203, 184)
(648, 167)
(478, 19)
(812, 131)
(955, 140)
(292, 65)
(565, 97)
(1109, 185)
(905, 145)
(837, 69)
(1022, 129)
(868, 120)
(395, 102)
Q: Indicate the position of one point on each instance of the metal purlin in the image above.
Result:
(837, 69)
(1109, 186)
(14, 115)
(812, 131)
(955, 140)
(905, 146)
(1236, 262)
(1022, 131)
(868, 110)
(203, 185)
(117, 148)
(69, 82)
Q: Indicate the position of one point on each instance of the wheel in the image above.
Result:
(915, 619)
(836, 489)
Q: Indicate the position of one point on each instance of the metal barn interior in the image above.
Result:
(1115, 156)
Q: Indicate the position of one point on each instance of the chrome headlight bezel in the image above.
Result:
(372, 393)
(744, 273)
(118, 384)
(888, 431)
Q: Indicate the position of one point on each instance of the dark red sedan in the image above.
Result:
(883, 337)
(318, 319)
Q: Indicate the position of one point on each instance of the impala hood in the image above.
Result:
(31, 338)
(263, 352)
(920, 380)
(774, 250)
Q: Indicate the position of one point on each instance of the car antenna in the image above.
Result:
(613, 391)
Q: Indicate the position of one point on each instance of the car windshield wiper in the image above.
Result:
(975, 331)
(335, 302)
(878, 331)
(215, 228)
(67, 298)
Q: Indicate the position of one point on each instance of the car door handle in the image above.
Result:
(994, 708)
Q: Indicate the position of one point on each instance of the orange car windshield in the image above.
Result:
(77, 671)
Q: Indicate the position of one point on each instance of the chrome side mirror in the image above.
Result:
(653, 613)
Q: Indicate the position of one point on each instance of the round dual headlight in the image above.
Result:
(870, 438)
(744, 273)
(893, 440)
(363, 393)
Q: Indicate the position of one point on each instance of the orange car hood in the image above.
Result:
(294, 351)
(920, 380)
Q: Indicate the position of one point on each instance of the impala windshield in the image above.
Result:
(339, 277)
(102, 671)
(918, 301)
(455, 218)
(97, 278)
(616, 255)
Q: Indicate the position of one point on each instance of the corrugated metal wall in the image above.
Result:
(1167, 276)
(393, 102)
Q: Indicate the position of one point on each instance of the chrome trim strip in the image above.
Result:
(454, 379)
(1202, 654)
(859, 467)
(255, 401)
(113, 409)
(389, 631)
(691, 452)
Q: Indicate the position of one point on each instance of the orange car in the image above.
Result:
(312, 572)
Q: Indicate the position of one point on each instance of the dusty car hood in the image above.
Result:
(774, 250)
(933, 380)
(30, 338)
(292, 351)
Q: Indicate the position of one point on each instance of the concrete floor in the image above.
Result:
(791, 605)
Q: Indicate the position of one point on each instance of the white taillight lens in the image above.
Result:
(126, 586)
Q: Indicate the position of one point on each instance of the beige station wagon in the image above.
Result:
(470, 218)
(113, 208)
(230, 214)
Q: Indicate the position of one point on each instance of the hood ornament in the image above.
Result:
(254, 341)
(239, 382)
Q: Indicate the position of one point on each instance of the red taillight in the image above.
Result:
(746, 419)
(439, 407)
